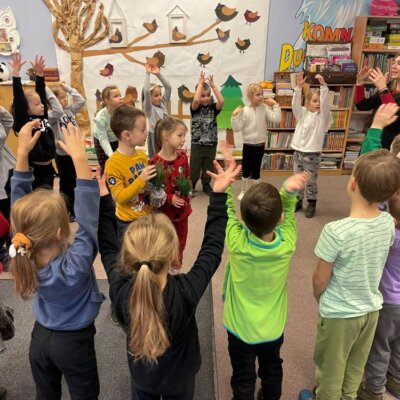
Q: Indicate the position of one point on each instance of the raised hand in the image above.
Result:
(320, 79)
(27, 141)
(296, 181)
(300, 79)
(38, 65)
(237, 111)
(362, 74)
(210, 81)
(148, 66)
(16, 64)
(270, 102)
(202, 78)
(148, 173)
(385, 115)
(101, 179)
(73, 142)
(378, 78)
(155, 69)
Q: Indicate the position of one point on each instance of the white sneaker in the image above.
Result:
(241, 194)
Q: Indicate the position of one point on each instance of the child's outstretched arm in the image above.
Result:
(56, 111)
(7, 120)
(146, 90)
(78, 101)
(212, 247)
(21, 181)
(296, 99)
(324, 103)
(385, 115)
(218, 95)
(38, 66)
(197, 94)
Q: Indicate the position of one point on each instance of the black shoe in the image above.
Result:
(311, 207)
(299, 205)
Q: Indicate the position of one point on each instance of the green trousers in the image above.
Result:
(341, 351)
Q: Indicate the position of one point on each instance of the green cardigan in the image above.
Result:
(255, 282)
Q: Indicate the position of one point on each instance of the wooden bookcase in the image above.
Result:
(376, 57)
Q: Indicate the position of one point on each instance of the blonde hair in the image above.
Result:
(395, 146)
(57, 90)
(252, 88)
(105, 95)
(152, 87)
(150, 246)
(30, 216)
(310, 94)
(165, 125)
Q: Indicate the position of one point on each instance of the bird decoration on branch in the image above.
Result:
(225, 13)
(242, 45)
(176, 35)
(185, 94)
(131, 96)
(204, 59)
(251, 16)
(107, 71)
(117, 37)
(157, 59)
(223, 36)
(151, 27)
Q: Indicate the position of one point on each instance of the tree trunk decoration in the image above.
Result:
(71, 20)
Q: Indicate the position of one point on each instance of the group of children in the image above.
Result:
(142, 249)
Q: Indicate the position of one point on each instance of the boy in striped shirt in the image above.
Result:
(352, 253)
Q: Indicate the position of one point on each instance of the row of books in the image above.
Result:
(351, 155)
(341, 98)
(331, 161)
(333, 141)
(280, 140)
(382, 35)
(287, 121)
(355, 134)
(277, 161)
(339, 119)
(383, 61)
(51, 74)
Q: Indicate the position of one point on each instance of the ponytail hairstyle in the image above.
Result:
(30, 219)
(150, 247)
(166, 125)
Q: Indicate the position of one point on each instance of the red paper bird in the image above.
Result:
(242, 45)
(151, 26)
(176, 35)
(185, 94)
(204, 59)
(107, 71)
(251, 16)
(225, 13)
(157, 59)
(117, 37)
(223, 36)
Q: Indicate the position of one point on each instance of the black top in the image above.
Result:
(204, 124)
(45, 148)
(182, 294)
(390, 131)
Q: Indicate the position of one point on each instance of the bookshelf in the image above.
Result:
(278, 157)
(378, 52)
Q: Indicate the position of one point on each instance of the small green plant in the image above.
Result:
(184, 185)
(158, 180)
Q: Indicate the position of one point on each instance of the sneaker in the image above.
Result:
(299, 205)
(306, 395)
(392, 386)
(311, 207)
(365, 393)
(241, 194)
(3, 393)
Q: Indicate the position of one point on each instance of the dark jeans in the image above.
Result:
(243, 358)
(53, 354)
(44, 176)
(251, 160)
(101, 155)
(201, 160)
(67, 174)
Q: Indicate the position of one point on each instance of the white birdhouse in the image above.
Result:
(118, 35)
(9, 36)
(177, 24)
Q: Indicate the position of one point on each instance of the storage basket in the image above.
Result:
(284, 101)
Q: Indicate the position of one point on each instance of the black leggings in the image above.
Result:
(251, 160)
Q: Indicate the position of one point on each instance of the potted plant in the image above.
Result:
(184, 187)
(157, 186)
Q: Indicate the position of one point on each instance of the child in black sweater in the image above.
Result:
(31, 105)
(157, 310)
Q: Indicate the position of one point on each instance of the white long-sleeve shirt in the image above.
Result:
(252, 122)
(311, 126)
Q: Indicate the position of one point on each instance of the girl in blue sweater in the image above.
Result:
(59, 274)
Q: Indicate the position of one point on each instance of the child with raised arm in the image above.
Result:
(104, 139)
(169, 139)
(157, 310)
(65, 165)
(251, 121)
(59, 274)
(255, 284)
(313, 121)
(204, 113)
(352, 253)
(127, 169)
(155, 104)
(32, 104)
